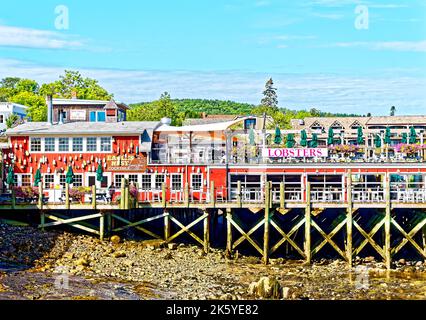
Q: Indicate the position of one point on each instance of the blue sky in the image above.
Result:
(228, 49)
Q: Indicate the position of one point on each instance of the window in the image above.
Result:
(104, 182)
(49, 181)
(1, 118)
(176, 182)
(106, 144)
(101, 116)
(64, 144)
(92, 144)
(35, 145)
(92, 116)
(26, 180)
(196, 181)
(118, 178)
(78, 180)
(92, 181)
(49, 145)
(62, 180)
(249, 124)
(133, 179)
(159, 180)
(77, 144)
(121, 116)
(146, 182)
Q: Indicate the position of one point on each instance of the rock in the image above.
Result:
(402, 261)
(119, 254)
(81, 262)
(226, 296)
(115, 239)
(266, 287)
(286, 292)
(369, 259)
(128, 263)
(168, 256)
(172, 246)
(252, 290)
(69, 255)
(419, 264)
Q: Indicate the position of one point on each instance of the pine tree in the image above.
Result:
(270, 98)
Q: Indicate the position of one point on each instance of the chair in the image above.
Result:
(156, 195)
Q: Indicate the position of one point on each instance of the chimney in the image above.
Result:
(49, 109)
(74, 95)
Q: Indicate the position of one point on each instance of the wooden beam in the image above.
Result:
(369, 238)
(186, 194)
(187, 229)
(212, 194)
(409, 237)
(122, 193)
(387, 247)
(282, 195)
(307, 244)
(60, 221)
(206, 231)
(67, 196)
(166, 225)
(253, 243)
(137, 224)
(228, 229)
(40, 195)
(101, 227)
(328, 238)
(94, 197)
(268, 201)
(239, 200)
(163, 195)
(349, 218)
(286, 237)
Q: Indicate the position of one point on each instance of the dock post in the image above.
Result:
(13, 197)
(136, 201)
(101, 226)
(388, 258)
(166, 225)
(122, 193)
(282, 195)
(40, 195)
(267, 218)
(228, 230)
(206, 232)
(186, 194)
(67, 196)
(349, 218)
(126, 196)
(94, 197)
(239, 201)
(308, 217)
(163, 195)
(212, 195)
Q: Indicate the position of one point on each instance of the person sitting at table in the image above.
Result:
(111, 190)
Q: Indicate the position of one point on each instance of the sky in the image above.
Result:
(350, 56)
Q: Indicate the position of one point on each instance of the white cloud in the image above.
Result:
(34, 38)
(410, 46)
(334, 93)
(329, 16)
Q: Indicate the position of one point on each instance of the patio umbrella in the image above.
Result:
(314, 141)
(251, 137)
(387, 136)
(10, 177)
(360, 136)
(37, 178)
(290, 141)
(303, 138)
(413, 135)
(377, 141)
(99, 173)
(404, 138)
(330, 139)
(278, 139)
(70, 176)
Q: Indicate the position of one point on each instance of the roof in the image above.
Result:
(13, 104)
(83, 128)
(217, 126)
(82, 102)
(404, 120)
(210, 119)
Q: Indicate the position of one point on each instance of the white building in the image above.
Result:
(8, 108)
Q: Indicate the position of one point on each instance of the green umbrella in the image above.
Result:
(413, 135)
(99, 174)
(360, 136)
(10, 177)
(37, 178)
(387, 139)
(278, 139)
(70, 176)
(290, 141)
(251, 137)
(377, 141)
(314, 142)
(330, 139)
(303, 138)
(404, 138)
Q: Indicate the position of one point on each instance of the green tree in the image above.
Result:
(165, 107)
(11, 120)
(392, 111)
(269, 101)
(37, 109)
(9, 82)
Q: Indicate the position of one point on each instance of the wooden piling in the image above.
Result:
(122, 193)
(67, 196)
(228, 230)
(166, 225)
(126, 197)
(163, 195)
(349, 217)
(387, 246)
(40, 195)
(212, 194)
(206, 232)
(186, 194)
(101, 226)
(307, 244)
(136, 200)
(239, 200)
(94, 197)
(282, 195)
(267, 218)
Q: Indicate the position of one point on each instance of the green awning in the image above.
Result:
(303, 138)
(37, 178)
(70, 176)
(10, 177)
(99, 173)
(278, 139)
(290, 141)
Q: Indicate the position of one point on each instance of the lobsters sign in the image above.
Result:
(295, 153)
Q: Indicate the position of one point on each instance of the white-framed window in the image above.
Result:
(49, 144)
(133, 179)
(78, 180)
(26, 180)
(49, 181)
(176, 182)
(63, 180)
(159, 180)
(77, 144)
(146, 182)
(92, 144)
(64, 144)
(196, 181)
(35, 145)
(117, 180)
(106, 144)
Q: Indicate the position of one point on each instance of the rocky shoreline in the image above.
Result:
(154, 270)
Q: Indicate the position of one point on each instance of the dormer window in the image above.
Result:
(336, 125)
(317, 126)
